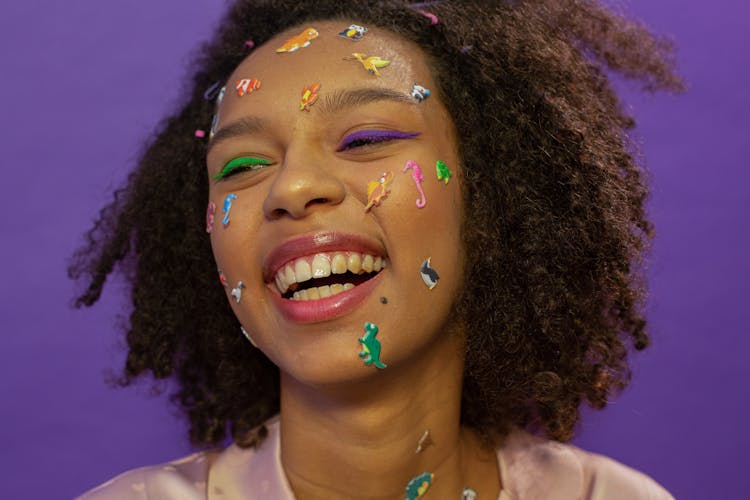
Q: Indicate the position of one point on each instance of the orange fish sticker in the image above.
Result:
(246, 86)
(309, 96)
(299, 41)
(378, 190)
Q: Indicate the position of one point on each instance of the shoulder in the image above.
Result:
(184, 478)
(532, 467)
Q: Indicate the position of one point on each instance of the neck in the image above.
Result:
(361, 442)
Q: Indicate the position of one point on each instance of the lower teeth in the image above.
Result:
(321, 292)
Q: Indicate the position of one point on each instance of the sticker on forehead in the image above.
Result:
(299, 41)
(309, 96)
(378, 190)
(246, 86)
(353, 32)
(419, 93)
(371, 64)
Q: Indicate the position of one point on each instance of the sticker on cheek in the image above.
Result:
(246, 86)
(371, 64)
(443, 172)
(419, 93)
(419, 485)
(416, 174)
(210, 213)
(227, 208)
(371, 346)
(309, 96)
(299, 41)
(429, 275)
(353, 32)
(237, 291)
(222, 278)
(378, 190)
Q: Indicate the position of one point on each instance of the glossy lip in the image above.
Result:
(315, 311)
(310, 244)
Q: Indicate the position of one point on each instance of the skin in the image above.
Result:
(336, 413)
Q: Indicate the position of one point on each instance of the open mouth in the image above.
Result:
(325, 274)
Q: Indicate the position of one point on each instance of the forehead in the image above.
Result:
(328, 60)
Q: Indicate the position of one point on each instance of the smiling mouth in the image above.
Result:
(325, 274)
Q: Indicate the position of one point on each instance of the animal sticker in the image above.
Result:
(246, 86)
(419, 485)
(237, 291)
(210, 211)
(371, 346)
(378, 190)
(419, 93)
(353, 32)
(309, 96)
(416, 174)
(372, 63)
(227, 208)
(429, 275)
(299, 41)
(442, 171)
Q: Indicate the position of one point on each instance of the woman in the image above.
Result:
(427, 225)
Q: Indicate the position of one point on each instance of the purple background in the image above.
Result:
(85, 81)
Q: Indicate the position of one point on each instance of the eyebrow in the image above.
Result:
(332, 103)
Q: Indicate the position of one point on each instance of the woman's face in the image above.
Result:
(297, 180)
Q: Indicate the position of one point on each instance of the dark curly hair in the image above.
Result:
(554, 229)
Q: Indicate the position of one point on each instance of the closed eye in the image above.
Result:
(362, 138)
(241, 164)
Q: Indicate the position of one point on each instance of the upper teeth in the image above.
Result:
(321, 265)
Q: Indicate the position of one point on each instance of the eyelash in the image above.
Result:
(241, 164)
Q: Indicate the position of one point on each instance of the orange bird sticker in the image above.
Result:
(299, 41)
(246, 86)
(378, 190)
(309, 96)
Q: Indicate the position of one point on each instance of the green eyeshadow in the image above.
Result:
(244, 163)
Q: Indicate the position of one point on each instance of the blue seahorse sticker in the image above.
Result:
(227, 207)
(371, 346)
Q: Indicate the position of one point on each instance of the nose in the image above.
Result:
(302, 185)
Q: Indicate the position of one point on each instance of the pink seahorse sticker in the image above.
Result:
(416, 174)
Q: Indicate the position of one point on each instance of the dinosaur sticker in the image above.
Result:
(371, 346)
(299, 41)
(372, 63)
(378, 190)
(419, 485)
(416, 174)
(309, 96)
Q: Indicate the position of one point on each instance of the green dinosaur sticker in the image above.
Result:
(371, 346)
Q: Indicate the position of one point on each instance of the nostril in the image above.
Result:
(317, 201)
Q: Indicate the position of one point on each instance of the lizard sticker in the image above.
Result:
(371, 346)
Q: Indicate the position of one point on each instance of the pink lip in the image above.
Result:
(313, 311)
(314, 243)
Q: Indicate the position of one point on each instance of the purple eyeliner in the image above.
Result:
(374, 136)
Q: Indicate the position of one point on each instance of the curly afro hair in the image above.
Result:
(555, 227)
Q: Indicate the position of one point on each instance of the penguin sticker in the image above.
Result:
(429, 275)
